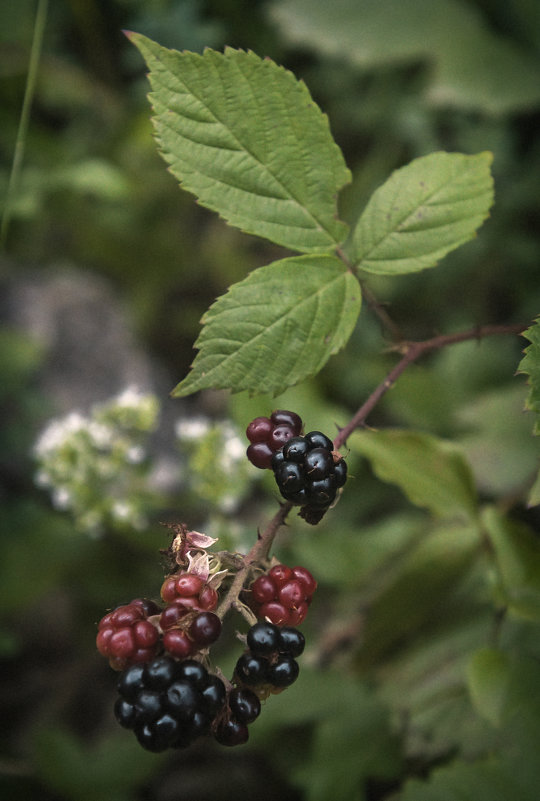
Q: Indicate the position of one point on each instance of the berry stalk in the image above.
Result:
(257, 553)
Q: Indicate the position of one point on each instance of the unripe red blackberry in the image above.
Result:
(126, 636)
(282, 595)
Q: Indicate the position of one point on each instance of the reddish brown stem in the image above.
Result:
(411, 352)
(258, 552)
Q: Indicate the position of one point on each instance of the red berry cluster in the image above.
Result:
(136, 632)
(188, 622)
(282, 595)
(269, 434)
(126, 636)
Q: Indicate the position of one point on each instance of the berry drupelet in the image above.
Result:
(268, 434)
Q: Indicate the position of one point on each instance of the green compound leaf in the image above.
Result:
(530, 366)
(276, 327)
(245, 136)
(422, 212)
(432, 472)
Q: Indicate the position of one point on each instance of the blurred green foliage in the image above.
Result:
(412, 668)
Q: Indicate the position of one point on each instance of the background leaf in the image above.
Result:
(422, 212)
(517, 553)
(245, 136)
(276, 327)
(432, 472)
(469, 65)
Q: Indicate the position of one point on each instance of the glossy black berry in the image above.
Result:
(307, 474)
(245, 706)
(252, 670)
(340, 472)
(159, 673)
(168, 703)
(214, 695)
(291, 641)
(232, 732)
(318, 463)
(263, 639)
(290, 477)
(131, 682)
(317, 439)
(295, 450)
(283, 672)
(194, 672)
(322, 492)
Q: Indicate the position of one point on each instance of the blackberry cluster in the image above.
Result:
(269, 663)
(309, 473)
(282, 595)
(268, 434)
(168, 703)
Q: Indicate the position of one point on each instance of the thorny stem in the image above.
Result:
(411, 352)
(258, 552)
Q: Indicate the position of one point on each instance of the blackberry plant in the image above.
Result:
(245, 137)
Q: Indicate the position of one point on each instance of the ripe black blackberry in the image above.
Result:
(269, 663)
(309, 473)
(167, 703)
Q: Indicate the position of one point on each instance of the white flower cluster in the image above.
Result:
(218, 469)
(94, 466)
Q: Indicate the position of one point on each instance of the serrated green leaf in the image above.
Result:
(432, 472)
(422, 212)
(517, 554)
(275, 328)
(530, 366)
(245, 136)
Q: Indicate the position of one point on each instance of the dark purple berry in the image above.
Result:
(259, 430)
(131, 682)
(205, 629)
(291, 419)
(279, 437)
(260, 455)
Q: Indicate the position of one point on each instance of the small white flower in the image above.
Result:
(61, 498)
(193, 429)
(130, 398)
(135, 454)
